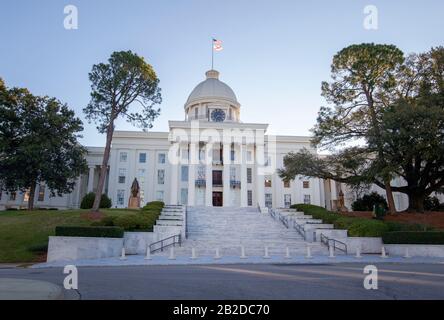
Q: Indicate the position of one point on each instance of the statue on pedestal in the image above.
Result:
(134, 199)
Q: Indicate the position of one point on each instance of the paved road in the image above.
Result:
(345, 281)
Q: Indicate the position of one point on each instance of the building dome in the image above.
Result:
(212, 89)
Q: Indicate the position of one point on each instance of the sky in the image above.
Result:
(276, 53)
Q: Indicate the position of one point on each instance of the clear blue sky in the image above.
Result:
(276, 53)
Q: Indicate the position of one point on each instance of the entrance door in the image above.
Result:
(217, 199)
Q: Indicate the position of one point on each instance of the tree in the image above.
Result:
(115, 86)
(408, 141)
(38, 144)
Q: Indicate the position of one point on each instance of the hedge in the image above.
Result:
(357, 227)
(96, 232)
(413, 237)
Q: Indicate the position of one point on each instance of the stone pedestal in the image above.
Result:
(134, 202)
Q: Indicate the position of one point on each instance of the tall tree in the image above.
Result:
(409, 135)
(363, 79)
(125, 80)
(38, 144)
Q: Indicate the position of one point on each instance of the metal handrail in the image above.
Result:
(299, 228)
(176, 239)
(326, 240)
(283, 220)
(272, 213)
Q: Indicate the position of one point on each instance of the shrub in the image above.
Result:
(107, 221)
(413, 237)
(98, 232)
(396, 226)
(317, 212)
(88, 201)
(368, 201)
(154, 205)
(132, 222)
(39, 247)
(431, 204)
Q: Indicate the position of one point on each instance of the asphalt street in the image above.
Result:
(330, 281)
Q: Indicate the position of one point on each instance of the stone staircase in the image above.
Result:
(230, 228)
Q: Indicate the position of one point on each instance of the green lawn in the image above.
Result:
(21, 231)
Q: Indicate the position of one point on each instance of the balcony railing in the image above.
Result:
(235, 183)
(218, 162)
(201, 183)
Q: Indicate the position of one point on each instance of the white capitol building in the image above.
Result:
(211, 158)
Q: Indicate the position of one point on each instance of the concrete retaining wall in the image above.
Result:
(416, 250)
(367, 244)
(74, 248)
(137, 242)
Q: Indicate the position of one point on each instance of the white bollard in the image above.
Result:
(123, 256)
(193, 253)
(407, 254)
(287, 253)
(358, 252)
(266, 255)
(308, 256)
(331, 250)
(148, 253)
(172, 254)
(243, 256)
(383, 253)
(217, 256)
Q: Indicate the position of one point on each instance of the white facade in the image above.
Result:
(211, 158)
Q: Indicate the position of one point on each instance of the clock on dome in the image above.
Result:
(218, 115)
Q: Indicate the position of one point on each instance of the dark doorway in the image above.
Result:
(217, 178)
(217, 199)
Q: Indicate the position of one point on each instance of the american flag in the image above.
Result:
(217, 45)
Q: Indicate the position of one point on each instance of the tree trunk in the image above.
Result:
(103, 169)
(390, 200)
(416, 202)
(31, 197)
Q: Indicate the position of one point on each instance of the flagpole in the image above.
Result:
(212, 53)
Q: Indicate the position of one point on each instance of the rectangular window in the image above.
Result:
(161, 158)
(196, 112)
(41, 196)
(307, 199)
(160, 176)
(268, 183)
(122, 175)
(232, 173)
(184, 173)
(306, 184)
(201, 173)
(268, 200)
(249, 175)
(120, 197)
(141, 174)
(12, 196)
(286, 184)
(184, 196)
(0, 194)
(250, 197)
(159, 195)
(123, 156)
(287, 200)
(142, 157)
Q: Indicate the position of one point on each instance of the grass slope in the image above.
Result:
(21, 231)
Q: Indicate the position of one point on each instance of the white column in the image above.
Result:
(209, 175)
(174, 163)
(260, 188)
(192, 174)
(91, 178)
(244, 186)
(226, 173)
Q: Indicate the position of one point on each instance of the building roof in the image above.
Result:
(212, 88)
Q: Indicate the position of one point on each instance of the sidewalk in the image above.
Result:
(21, 289)
(139, 260)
